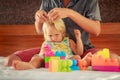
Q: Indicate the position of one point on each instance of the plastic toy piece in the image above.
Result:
(82, 64)
(48, 48)
(105, 53)
(74, 65)
(47, 60)
(75, 68)
(60, 53)
(53, 66)
(62, 57)
(46, 64)
(55, 57)
(100, 63)
(98, 60)
(107, 68)
(63, 65)
(49, 53)
(60, 65)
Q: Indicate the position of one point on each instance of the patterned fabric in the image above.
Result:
(61, 46)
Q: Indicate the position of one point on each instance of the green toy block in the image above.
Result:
(47, 59)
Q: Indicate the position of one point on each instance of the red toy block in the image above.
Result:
(47, 65)
(107, 68)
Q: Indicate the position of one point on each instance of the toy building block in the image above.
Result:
(48, 54)
(47, 60)
(51, 55)
(98, 60)
(60, 54)
(63, 65)
(57, 55)
(107, 68)
(105, 64)
(74, 65)
(48, 48)
(53, 66)
(104, 52)
(82, 64)
(60, 65)
(46, 64)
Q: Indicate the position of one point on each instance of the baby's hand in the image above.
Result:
(77, 33)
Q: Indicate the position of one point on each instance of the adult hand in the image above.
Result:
(58, 13)
(41, 16)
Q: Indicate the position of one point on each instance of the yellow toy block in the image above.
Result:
(56, 58)
(53, 65)
(105, 53)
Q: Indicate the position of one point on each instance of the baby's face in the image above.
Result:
(54, 35)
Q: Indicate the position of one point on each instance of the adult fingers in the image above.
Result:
(41, 16)
(52, 14)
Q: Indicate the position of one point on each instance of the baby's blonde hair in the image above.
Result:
(58, 24)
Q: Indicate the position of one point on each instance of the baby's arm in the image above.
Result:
(43, 50)
(77, 47)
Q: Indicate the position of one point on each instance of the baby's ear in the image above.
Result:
(64, 34)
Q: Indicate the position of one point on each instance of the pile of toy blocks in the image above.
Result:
(57, 62)
(63, 65)
(102, 62)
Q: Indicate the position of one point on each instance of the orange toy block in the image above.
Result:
(53, 67)
(82, 64)
(98, 60)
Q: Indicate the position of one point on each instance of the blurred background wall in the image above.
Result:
(23, 11)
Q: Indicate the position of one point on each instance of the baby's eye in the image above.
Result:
(50, 35)
(56, 34)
